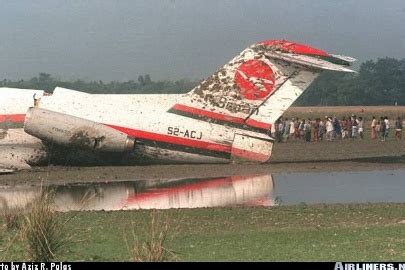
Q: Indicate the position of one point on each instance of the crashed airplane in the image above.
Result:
(225, 118)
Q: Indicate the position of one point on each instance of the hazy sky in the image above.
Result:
(175, 39)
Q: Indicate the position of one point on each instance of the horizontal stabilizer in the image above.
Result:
(344, 58)
(309, 61)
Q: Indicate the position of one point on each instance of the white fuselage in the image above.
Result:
(160, 134)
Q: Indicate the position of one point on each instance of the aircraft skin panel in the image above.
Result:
(251, 148)
(309, 62)
(136, 103)
(17, 136)
(274, 107)
(153, 153)
(19, 157)
(137, 120)
(15, 101)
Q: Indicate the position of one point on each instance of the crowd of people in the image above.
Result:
(331, 128)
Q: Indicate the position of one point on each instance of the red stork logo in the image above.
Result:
(255, 79)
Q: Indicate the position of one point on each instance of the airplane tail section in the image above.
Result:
(255, 88)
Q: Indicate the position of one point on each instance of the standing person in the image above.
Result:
(387, 126)
(361, 127)
(286, 125)
(354, 127)
(329, 130)
(292, 128)
(337, 130)
(382, 129)
(315, 130)
(286, 130)
(349, 127)
(398, 128)
(344, 128)
(307, 130)
(374, 128)
(301, 129)
(321, 129)
(297, 125)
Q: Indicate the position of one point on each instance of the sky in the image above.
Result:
(182, 39)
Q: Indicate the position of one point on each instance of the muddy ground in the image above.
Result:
(292, 156)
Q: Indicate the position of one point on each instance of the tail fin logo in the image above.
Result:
(255, 79)
(254, 88)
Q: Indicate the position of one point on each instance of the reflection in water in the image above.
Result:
(163, 194)
(290, 188)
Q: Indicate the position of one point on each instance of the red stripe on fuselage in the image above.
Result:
(245, 154)
(12, 118)
(173, 140)
(222, 117)
(257, 124)
(212, 115)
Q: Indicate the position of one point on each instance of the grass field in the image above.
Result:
(363, 232)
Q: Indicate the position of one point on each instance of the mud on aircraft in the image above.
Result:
(225, 118)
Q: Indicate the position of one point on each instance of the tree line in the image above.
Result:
(143, 85)
(378, 82)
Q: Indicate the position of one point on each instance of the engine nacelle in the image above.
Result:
(67, 130)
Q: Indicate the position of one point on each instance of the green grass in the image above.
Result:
(364, 232)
